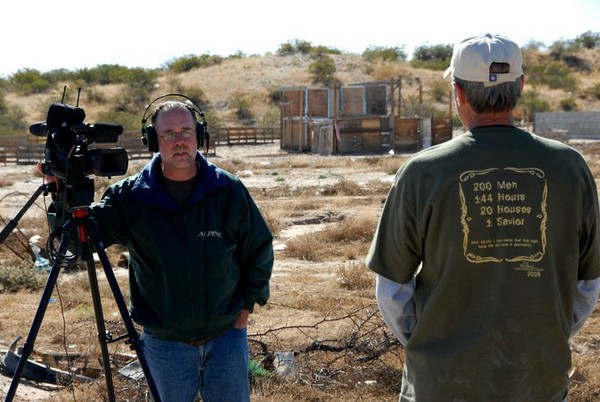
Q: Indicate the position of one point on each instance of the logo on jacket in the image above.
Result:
(210, 233)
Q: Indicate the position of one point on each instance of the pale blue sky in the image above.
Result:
(73, 34)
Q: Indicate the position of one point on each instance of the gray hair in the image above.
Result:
(171, 105)
(493, 99)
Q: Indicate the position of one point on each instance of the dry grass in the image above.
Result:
(322, 305)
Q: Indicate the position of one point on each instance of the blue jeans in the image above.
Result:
(217, 370)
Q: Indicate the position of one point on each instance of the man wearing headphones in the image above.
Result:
(201, 257)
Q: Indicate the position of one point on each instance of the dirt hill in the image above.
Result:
(256, 78)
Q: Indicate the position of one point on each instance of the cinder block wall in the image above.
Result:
(584, 125)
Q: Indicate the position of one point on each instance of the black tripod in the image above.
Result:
(87, 238)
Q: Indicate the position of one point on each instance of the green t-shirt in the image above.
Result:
(504, 224)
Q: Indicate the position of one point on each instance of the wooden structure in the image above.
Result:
(358, 118)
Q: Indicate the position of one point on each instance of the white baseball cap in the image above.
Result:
(472, 58)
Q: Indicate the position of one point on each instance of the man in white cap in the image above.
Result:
(487, 252)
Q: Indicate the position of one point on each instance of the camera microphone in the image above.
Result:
(99, 132)
(105, 129)
(39, 129)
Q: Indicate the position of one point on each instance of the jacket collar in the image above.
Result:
(148, 187)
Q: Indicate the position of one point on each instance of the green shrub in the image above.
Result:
(320, 49)
(105, 74)
(532, 102)
(437, 65)
(28, 81)
(183, 64)
(129, 120)
(535, 74)
(588, 40)
(456, 123)
(12, 117)
(132, 98)
(304, 47)
(558, 76)
(286, 49)
(92, 94)
(197, 94)
(568, 105)
(212, 120)
(242, 106)
(88, 75)
(323, 70)
(23, 277)
(109, 73)
(140, 77)
(59, 75)
(555, 74)
(559, 48)
(439, 90)
(373, 53)
(593, 91)
(190, 62)
(532, 46)
(237, 55)
(410, 105)
(270, 118)
(436, 57)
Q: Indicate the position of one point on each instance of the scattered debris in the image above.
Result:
(284, 363)
(36, 371)
(133, 370)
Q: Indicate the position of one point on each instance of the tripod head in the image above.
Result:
(70, 194)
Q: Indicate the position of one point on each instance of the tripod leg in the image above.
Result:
(134, 339)
(102, 337)
(37, 321)
(14, 222)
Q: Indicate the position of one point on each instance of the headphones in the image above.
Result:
(149, 136)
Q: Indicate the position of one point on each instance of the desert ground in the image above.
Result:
(322, 312)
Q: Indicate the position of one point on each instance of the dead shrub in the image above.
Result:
(305, 247)
(325, 303)
(346, 352)
(355, 232)
(358, 228)
(391, 165)
(234, 165)
(275, 219)
(344, 187)
(373, 160)
(354, 275)
(6, 181)
(274, 222)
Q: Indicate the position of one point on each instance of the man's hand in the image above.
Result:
(48, 178)
(242, 319)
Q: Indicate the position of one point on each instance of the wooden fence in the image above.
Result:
(24, 150)
(244, 135)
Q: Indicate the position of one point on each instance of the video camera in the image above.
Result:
(67, 155)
